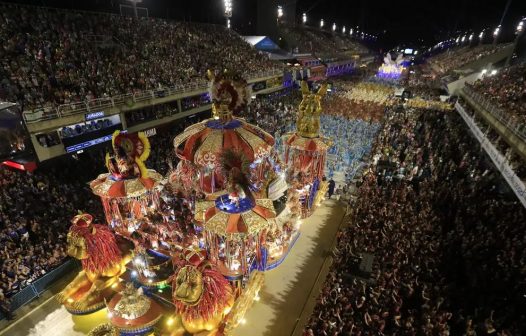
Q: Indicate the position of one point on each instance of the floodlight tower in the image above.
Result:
(227, 11)
(481, 37)
(496, 33)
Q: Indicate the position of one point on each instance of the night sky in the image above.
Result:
(414, 23)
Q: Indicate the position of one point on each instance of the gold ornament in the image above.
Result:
(308, 121)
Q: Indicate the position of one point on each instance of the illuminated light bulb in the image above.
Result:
(150, 280)
(114, 285)
(170, 321)
(243, 321)
(70, 300)
(134, 273)
(256, 298)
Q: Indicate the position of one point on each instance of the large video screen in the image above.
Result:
(14, 139)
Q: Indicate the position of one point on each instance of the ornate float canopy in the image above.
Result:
(127, 176)
(223, 218)
(106, 186)
(203, 143)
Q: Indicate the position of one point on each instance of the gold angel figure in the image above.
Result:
(308, 122)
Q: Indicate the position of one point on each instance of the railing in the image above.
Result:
(98, 104)
(519, 129)
(36, 288)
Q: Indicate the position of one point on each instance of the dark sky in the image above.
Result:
(404, 22)
(413, 21)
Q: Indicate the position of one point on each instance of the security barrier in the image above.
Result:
(36, 288)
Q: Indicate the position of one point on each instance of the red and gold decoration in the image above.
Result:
(201, 145)
(202, 242)
(306, 150)
(103, 261)
(202, 296)
(132, 312)
(129, 191)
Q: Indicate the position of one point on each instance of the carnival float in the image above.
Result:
(391, 68)
(186, 254)
(306, 152)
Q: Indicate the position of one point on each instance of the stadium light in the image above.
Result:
(471, 37)
(463, 38)
(481, 35)
(496, 35)
(343, 30)
(321, 23)
(304, 18)
(351, 31)
(228, 23)
(333, 26)
(280, 11)
(228, 8)
(520, 26)
(496, 31)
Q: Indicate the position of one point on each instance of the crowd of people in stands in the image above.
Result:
(506, 90)
(302, 39)
(446, 235)
(35, 212)
(455, 58)
(275, 113)
(51, 57)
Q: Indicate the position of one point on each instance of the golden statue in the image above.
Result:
(102, 263)
(308, 122)
(201, 294)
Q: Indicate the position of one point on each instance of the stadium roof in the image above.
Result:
(263, 43)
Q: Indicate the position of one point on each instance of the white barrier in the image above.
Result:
(498, 159)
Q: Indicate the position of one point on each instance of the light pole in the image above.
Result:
(481, 37)
(227, 11)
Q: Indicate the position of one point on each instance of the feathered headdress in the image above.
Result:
(228, 90)
(134, 147)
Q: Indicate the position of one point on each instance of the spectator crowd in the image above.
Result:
(452, 59)
(446, 234)
(51, 57)
(506, 90)
(35, 214)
